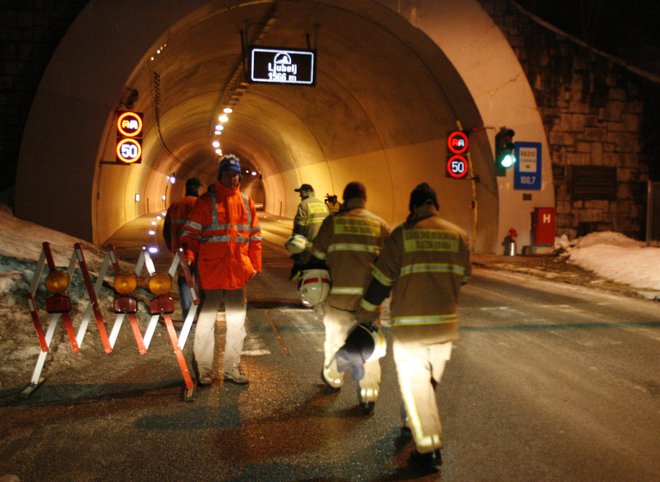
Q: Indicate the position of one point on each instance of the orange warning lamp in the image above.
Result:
(160, 283)
(125, 283)
(57, 281)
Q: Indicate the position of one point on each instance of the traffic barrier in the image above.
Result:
(58, 305)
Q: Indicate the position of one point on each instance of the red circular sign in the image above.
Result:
(129, 151)
(457, 142)
(457, 167)
(129, 124)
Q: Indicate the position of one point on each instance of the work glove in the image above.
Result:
(296, 272)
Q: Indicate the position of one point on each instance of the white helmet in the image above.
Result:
(314, 286)
(364, 343)
(296, 244)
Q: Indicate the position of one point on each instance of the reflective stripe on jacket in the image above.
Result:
(223, 235)
(349, 242)
(311, 213)
(176, 217)
(425, 262)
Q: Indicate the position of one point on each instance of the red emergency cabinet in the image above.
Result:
(543, 226)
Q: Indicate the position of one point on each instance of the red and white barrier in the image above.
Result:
(59, 305)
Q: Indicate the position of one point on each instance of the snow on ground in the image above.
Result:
(616, 257)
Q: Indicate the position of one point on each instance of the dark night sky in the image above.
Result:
(627, 29)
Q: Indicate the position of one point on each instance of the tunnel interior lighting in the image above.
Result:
(151, 232)
(215, 144)
(137, 197)
(164, 197)
(153, 249)
(154, 223)
(227, 110)
(223, 118)
(218, 152)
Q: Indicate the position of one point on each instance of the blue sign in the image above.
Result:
(527, 169)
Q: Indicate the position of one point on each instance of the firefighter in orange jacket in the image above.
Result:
(424, 262)
(176, 217)
(223, 235)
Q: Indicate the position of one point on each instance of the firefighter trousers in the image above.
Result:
(337, 325)
(235, 302)
(417, 364)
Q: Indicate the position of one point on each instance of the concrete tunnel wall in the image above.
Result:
(499, 91)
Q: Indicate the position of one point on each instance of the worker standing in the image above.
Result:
(175, 218)
(348, 243)
(310, 214)
(424, 262)
(223, 235)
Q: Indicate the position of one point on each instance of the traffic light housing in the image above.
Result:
(505, 156)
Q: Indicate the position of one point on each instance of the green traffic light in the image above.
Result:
(504, 151)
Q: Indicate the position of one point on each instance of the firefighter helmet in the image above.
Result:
(314, 286)
(296, 244)
(364, 343)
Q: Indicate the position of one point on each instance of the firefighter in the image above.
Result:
(307, 222)
(424, 262)
(222, 234)
(348, 243)
(176, 217)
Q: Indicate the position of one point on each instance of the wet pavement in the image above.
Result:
(121, 416)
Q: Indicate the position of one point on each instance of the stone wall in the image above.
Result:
(30, 30)
(593, 110)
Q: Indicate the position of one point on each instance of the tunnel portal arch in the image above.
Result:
(392, 81)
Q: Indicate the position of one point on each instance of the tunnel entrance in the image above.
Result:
(386, 96)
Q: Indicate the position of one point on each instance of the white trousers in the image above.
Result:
(204, 345)
(416, 364)
(337, 325)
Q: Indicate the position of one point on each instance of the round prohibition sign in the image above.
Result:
(457, 167)
(129, 151)
(457, 142)
(129, 124)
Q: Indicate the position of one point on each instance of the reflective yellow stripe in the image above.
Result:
(369, 394)
(345, 290)
(425, 320)
(362, 248)
(365, 305)
(382, 279)
(433, 268)
(318, 254)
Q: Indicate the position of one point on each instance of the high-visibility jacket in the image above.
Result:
(349, 242)
(424, 262)
(309, 216)
(222, 234)
(176, 217)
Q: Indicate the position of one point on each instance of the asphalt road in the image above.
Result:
(548, 382)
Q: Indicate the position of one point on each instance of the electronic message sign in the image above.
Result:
(282, 66)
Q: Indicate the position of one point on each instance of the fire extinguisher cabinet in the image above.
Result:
(544, 226)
